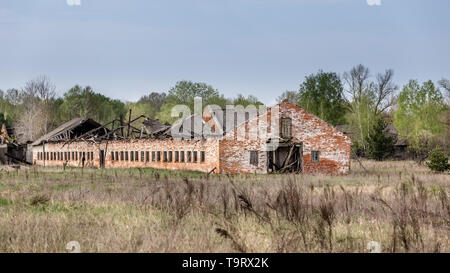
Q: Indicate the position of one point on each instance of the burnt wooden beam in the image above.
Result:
(90, 132)
(357, 159)
(121, 124)
(129, 124)
(285, 168)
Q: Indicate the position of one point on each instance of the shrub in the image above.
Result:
(438, 161)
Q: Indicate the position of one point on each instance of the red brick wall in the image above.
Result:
(73, 147)
(235, 157)
(210, 147)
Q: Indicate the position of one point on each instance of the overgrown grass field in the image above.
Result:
(402, 206)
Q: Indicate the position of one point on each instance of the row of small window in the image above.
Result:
(65, 156)
(157, 156)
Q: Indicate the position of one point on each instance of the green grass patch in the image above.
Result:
(5, 202)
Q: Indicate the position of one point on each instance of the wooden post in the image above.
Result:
(43, 152)
(357, 159)
(300, 158)
(121, 125)
(129, 124)
(288, 158)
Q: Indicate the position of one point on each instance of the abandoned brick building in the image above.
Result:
(284, 138)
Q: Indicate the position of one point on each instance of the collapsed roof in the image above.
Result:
(69, 130)
(86, 129)
(193, 126)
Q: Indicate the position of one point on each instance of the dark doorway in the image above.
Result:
(102, 159)
(287, 158)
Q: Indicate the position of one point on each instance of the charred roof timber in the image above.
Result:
(69, 130)
(86, 129)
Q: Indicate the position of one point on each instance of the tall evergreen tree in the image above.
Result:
(380, 145)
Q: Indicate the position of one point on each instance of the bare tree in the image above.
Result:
(446, 85)
(358, 86)
(357, 81)
(385, 92)
(367, 99)
(42, 91)
(37, 98)
(292, 96)
(14, 96)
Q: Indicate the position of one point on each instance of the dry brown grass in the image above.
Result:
(402, 206)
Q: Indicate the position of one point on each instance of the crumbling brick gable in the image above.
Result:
(316, 135)
(333, 146)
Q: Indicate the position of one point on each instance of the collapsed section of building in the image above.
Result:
(12, 152)
(283, 139)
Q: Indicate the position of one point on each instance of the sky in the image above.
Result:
(126, 49)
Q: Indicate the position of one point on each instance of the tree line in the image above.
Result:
(36, 109)
(368, 103)
(364, 102)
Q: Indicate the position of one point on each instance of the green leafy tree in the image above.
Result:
(150, 105)
(246, 101)
(183, 93)
(361, 120)
(419, 116)
(3, 120)
(438, 162)
(8, 111)
(322, 95)
(84, 102)
(380, 145)
(57, 115)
